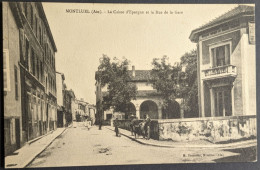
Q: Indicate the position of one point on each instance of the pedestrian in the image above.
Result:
(147, 126)
(132, 124)
(116, 124)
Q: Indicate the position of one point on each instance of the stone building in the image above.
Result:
(31, 51)
(148, 100)
(226, 64)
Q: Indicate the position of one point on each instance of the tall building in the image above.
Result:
(13, 136)
(29, 51)
(226, 64)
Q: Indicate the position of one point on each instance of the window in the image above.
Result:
(25, 8)
(38, 68)
(220, 55)
(27, 61)
(6, 70)
(223, 103)
(36, 27)
(7, 137)
(16, 82)
(32, 62)
(32, 24)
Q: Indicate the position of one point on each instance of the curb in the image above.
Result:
(34, 156)
(191, 146)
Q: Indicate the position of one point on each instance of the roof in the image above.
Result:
(237, 11)
(140, 75)
(47, 25)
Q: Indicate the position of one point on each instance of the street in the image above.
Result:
(78, 146)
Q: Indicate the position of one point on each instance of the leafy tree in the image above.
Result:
(114, 74)
(177, 81)
(165, 79)
(190, 92)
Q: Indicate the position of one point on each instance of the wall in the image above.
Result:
(12, 106)
(213, 129)
(220, 129)
(144, 86)
(59, 87)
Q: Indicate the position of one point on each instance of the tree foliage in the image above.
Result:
(114, 74)
(189, 61)
(164, 79)
(177, 81)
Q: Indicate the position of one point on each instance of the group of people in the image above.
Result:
(137, 127)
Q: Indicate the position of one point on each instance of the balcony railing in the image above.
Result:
(219, 72)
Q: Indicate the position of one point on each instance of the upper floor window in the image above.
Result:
(220, 55)
(16, 82)
(6, 71)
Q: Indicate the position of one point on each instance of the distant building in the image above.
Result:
(68, 99)
(148, 100)
(61, 87)
(226, 64)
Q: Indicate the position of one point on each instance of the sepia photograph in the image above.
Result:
(94, 84)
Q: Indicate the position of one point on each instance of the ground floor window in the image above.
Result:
(223, 103)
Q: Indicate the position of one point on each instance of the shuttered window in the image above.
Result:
(6, 70)
(16, 82)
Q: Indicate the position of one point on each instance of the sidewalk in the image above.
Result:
(190, 144)
(25, 155)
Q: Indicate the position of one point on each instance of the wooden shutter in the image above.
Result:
(6, 70)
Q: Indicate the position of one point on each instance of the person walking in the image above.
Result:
(133, 119)
(147, 126)
(116, 124)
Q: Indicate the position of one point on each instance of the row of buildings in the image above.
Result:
(36, 99)
(226, 72)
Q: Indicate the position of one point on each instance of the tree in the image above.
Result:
(165, 79)
(177, 81)
(114, 74)
(190, 92)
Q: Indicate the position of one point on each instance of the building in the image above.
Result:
(13, 136)
(30, 57)
(226, 64)
(61, 87)
(68, 99)
(148, 100)
(81, 109)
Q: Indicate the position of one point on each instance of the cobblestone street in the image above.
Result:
(79, 147)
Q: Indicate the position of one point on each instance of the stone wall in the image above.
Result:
(213, 129)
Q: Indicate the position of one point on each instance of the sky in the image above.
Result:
(82, 38)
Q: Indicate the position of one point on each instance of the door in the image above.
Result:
(17, 133)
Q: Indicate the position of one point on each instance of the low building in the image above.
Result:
(148, 100)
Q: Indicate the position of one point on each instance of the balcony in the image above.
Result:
(219, 72)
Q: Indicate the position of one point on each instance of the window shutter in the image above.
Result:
(6, 70)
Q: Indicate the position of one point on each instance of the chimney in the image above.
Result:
(133, 71)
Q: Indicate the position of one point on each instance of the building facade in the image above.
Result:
(33, 64)
(13, 137)
(69, 97)
(226, 64)
(61, 87)
(148, 100)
